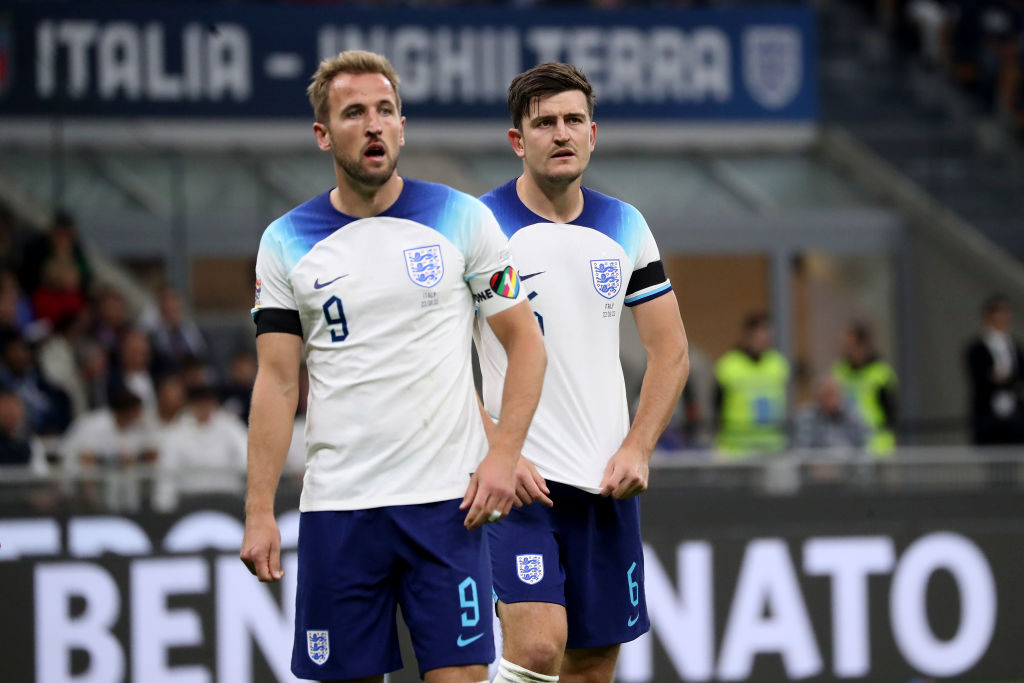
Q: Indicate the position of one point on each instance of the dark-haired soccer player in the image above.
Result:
(569, 578)
(374, 282)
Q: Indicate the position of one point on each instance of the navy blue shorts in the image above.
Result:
(356, 566)
(585, 553)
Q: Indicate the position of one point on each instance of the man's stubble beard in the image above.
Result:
(563, 180)
(355, 171)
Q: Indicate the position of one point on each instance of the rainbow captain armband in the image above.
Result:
(505, 283)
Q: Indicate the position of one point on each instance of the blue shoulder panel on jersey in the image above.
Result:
(616, 219)
(440, 207)
(437, 206)
(297, 231)
(510, 211)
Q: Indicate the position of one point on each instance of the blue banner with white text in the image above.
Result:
(231, 61)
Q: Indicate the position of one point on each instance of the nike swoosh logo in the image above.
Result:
(464, 642)
(527, 277)
(632, 620)
(320, 285)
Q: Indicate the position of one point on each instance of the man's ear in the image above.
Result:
(515, 138)
(323, 136)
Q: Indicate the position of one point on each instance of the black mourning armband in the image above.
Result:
(277, 320)
(648, 276)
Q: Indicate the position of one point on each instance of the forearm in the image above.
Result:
(520, 393)
(271, 420)
(489, 426)
(662, 386)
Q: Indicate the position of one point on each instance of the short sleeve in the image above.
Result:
(490, 273)
(648, 280)
(273, 288)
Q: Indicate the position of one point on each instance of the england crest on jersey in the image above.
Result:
(772, 64)
(424, 265)
(318, 646)
(530, 568)
(607, 277)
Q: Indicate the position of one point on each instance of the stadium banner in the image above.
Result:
(812, 587)
(254, 61)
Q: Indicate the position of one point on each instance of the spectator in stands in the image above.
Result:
(173, 335)
(110, 441)
(58, 360)
(110, 319)
(94, 369)
(9, 251)
(18, 445)
(196, 373)
(59, 294)
(204, 454)
(57, 249)
(236, 393)
(132, 369)
(995, 369)
(170, 402)
(48, 408)
(830, 422)
(684, 426)
(869, 384)
(751, 393)
(15, 310)
(114, 436)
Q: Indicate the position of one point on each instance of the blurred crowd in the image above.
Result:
(130, 410)
(595, 4)
(90, 389)
(851, 409)
(978, 43)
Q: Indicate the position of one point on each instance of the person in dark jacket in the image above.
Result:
(995, 363)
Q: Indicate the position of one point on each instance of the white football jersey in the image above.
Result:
(577, 277)
(385, 306)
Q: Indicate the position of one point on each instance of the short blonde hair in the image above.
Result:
(348, 62)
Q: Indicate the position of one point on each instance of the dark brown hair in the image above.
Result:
(545, 80)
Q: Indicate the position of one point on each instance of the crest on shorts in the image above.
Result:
(318, 646)
(607, 277)
(530, 568)
(424, 265)
(772, 64)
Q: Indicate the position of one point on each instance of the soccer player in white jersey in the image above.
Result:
(569, 578)
(375, 282)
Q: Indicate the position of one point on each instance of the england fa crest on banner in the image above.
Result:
(772, 64)
(318, 646)
(424, 265)
(530, 568)
(607, 277)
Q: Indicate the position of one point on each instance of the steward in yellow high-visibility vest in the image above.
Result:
(869, 384)
(751, 396)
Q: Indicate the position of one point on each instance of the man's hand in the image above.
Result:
(626, 474)
(492, 488)
(261, 547)
(530, 486)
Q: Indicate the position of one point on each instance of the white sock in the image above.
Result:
(513, 673)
